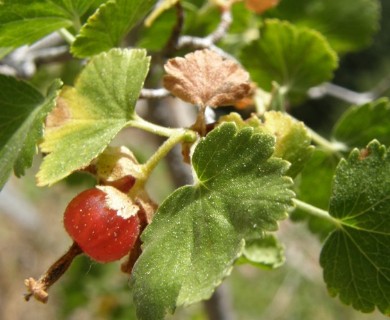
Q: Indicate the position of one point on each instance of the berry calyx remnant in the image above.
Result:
(117, 167)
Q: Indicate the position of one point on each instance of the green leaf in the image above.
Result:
(266, 253)
(22, 112)
(106, 28)
(293, 142)
(355, 258)
(77, 8)
(25, 21)
(361, 124)
(156, 36)
(314, 187)
(297, 59)
(158, 10)
(348, 25)
(198, 232)
(93, 112)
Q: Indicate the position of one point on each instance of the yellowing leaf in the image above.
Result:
(89, 115)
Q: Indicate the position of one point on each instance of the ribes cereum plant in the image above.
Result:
(251, 168)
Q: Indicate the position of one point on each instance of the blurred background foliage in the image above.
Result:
(32, 236)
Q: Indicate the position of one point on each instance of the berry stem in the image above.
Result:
(38, 288)
(147, 168)
(162, 151)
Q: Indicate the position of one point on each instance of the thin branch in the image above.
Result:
(223, 27)
(209, 41)
(22, 61)
(344, 94)
(333, 90)
(154, 93)
(176, 31)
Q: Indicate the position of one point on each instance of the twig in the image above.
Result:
(209, 41)
(333, 90)
(154, 93)
(172, 43)
(223, 27)
(22, 61)
(341, 93)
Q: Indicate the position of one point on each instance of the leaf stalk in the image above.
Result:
(140, 123)
(66, 35)
(317, 212)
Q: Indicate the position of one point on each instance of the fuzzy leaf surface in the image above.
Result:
(89, 115)
(355, 257)
(293, 142)
(22, 113)
(199, 231)
(348, 25)
(361, 124)
(278, 56)
(108, 25)
(204, 78)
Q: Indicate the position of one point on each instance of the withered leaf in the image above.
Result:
(204, 78)
(259, 6)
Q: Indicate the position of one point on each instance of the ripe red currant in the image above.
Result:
(103, 222)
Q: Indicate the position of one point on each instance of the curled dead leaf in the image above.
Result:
(204, 78)
(259, 6)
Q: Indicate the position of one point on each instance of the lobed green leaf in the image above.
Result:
(297, 59)
(199, 231)
(355, 257)
(23, 21)
(348, 25)
(22, 113)
(361, 124)
(93, 112)
(293, 142)
(108, 25)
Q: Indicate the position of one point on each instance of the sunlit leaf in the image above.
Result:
(89, 115)
(106, 28)
(348, 25)
(296, 59)
(361, 124)
(199, 231)
(355, 257)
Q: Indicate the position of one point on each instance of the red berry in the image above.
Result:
(103, 222)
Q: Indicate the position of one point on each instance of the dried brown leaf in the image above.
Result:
(259, 6)
(204, 78)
